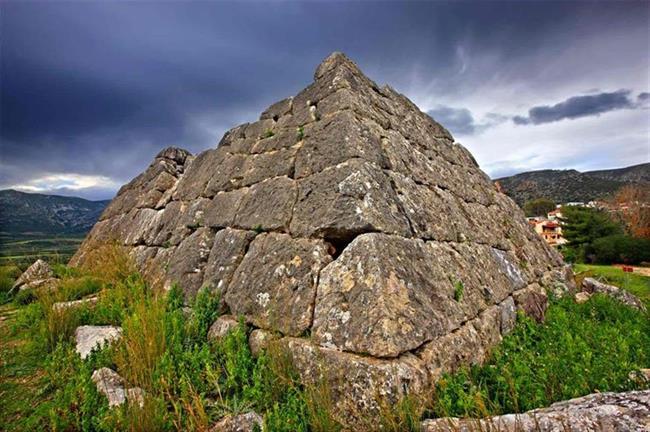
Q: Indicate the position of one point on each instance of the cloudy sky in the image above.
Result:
(91, 91)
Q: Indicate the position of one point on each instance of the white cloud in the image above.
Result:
(67, 181)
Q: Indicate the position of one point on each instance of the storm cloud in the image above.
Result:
(461, 122)
(91, 91)
(578, 106)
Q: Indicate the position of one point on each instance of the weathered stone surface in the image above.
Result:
(259, 340)
(239, 423)
(112, 385)
(221, 327)
(347, 214)
(616, 412)
(533, 301)
(148, 188)
(189, 259)
(348, 199)
(274, 287)
(267, 205)
(593, 286)
(386, 295)
(228, 250)
(359, 385)
(38, 274)
(336, 139)
(90, 337)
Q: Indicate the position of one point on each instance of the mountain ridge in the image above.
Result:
(572, 185)
(23, 212)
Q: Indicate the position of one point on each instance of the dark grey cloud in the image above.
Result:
(460, 121)
(643, 97)
(97, 88)
(578, 106)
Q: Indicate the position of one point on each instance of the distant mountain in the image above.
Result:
(23, 213)
(571, 185)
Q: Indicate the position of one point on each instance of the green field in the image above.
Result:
(23, 249)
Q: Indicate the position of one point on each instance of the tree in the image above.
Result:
(621, 249)
(581, 226)
(633, 207)
(539, 207)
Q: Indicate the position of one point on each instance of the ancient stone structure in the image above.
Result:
(351, 225)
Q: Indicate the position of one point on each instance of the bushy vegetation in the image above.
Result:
(190, 382)
(580, 349)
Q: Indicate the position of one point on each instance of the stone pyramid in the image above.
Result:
(350, 225)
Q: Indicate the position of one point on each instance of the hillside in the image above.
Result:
(572, 185)
(23, 213)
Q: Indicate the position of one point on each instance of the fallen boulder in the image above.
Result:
(593, 286)
(90, 337)
(598, 412)
(37, 275)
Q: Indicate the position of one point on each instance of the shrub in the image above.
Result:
(571, 355)
(621, 249)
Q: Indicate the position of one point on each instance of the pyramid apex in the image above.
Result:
(334, 61)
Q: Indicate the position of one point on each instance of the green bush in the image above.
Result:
(581, 349)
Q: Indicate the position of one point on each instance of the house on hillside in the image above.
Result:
(551, 231)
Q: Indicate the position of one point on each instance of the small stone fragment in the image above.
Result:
(112, 385)
(259, 340)
(239, 423)
(90, 301)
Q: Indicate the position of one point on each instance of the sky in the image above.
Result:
(91, 91)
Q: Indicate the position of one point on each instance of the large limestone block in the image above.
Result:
(267, 205)
(229, 247)
(598, 412)
(275, 285)
(342, 201)
(194, 181)
(186, 264)
(360, 386)
(337, 139)
(386, 295)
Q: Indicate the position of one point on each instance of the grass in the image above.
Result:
(635, 283)
(190, 382)
(24, 249)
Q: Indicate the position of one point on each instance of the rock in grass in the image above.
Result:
(37, 275)
(221, 327)
(614, 412)
(111, 384)
(90, 337)
(239, 423)
(75, 303)
(582, 297)
(593, 286)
